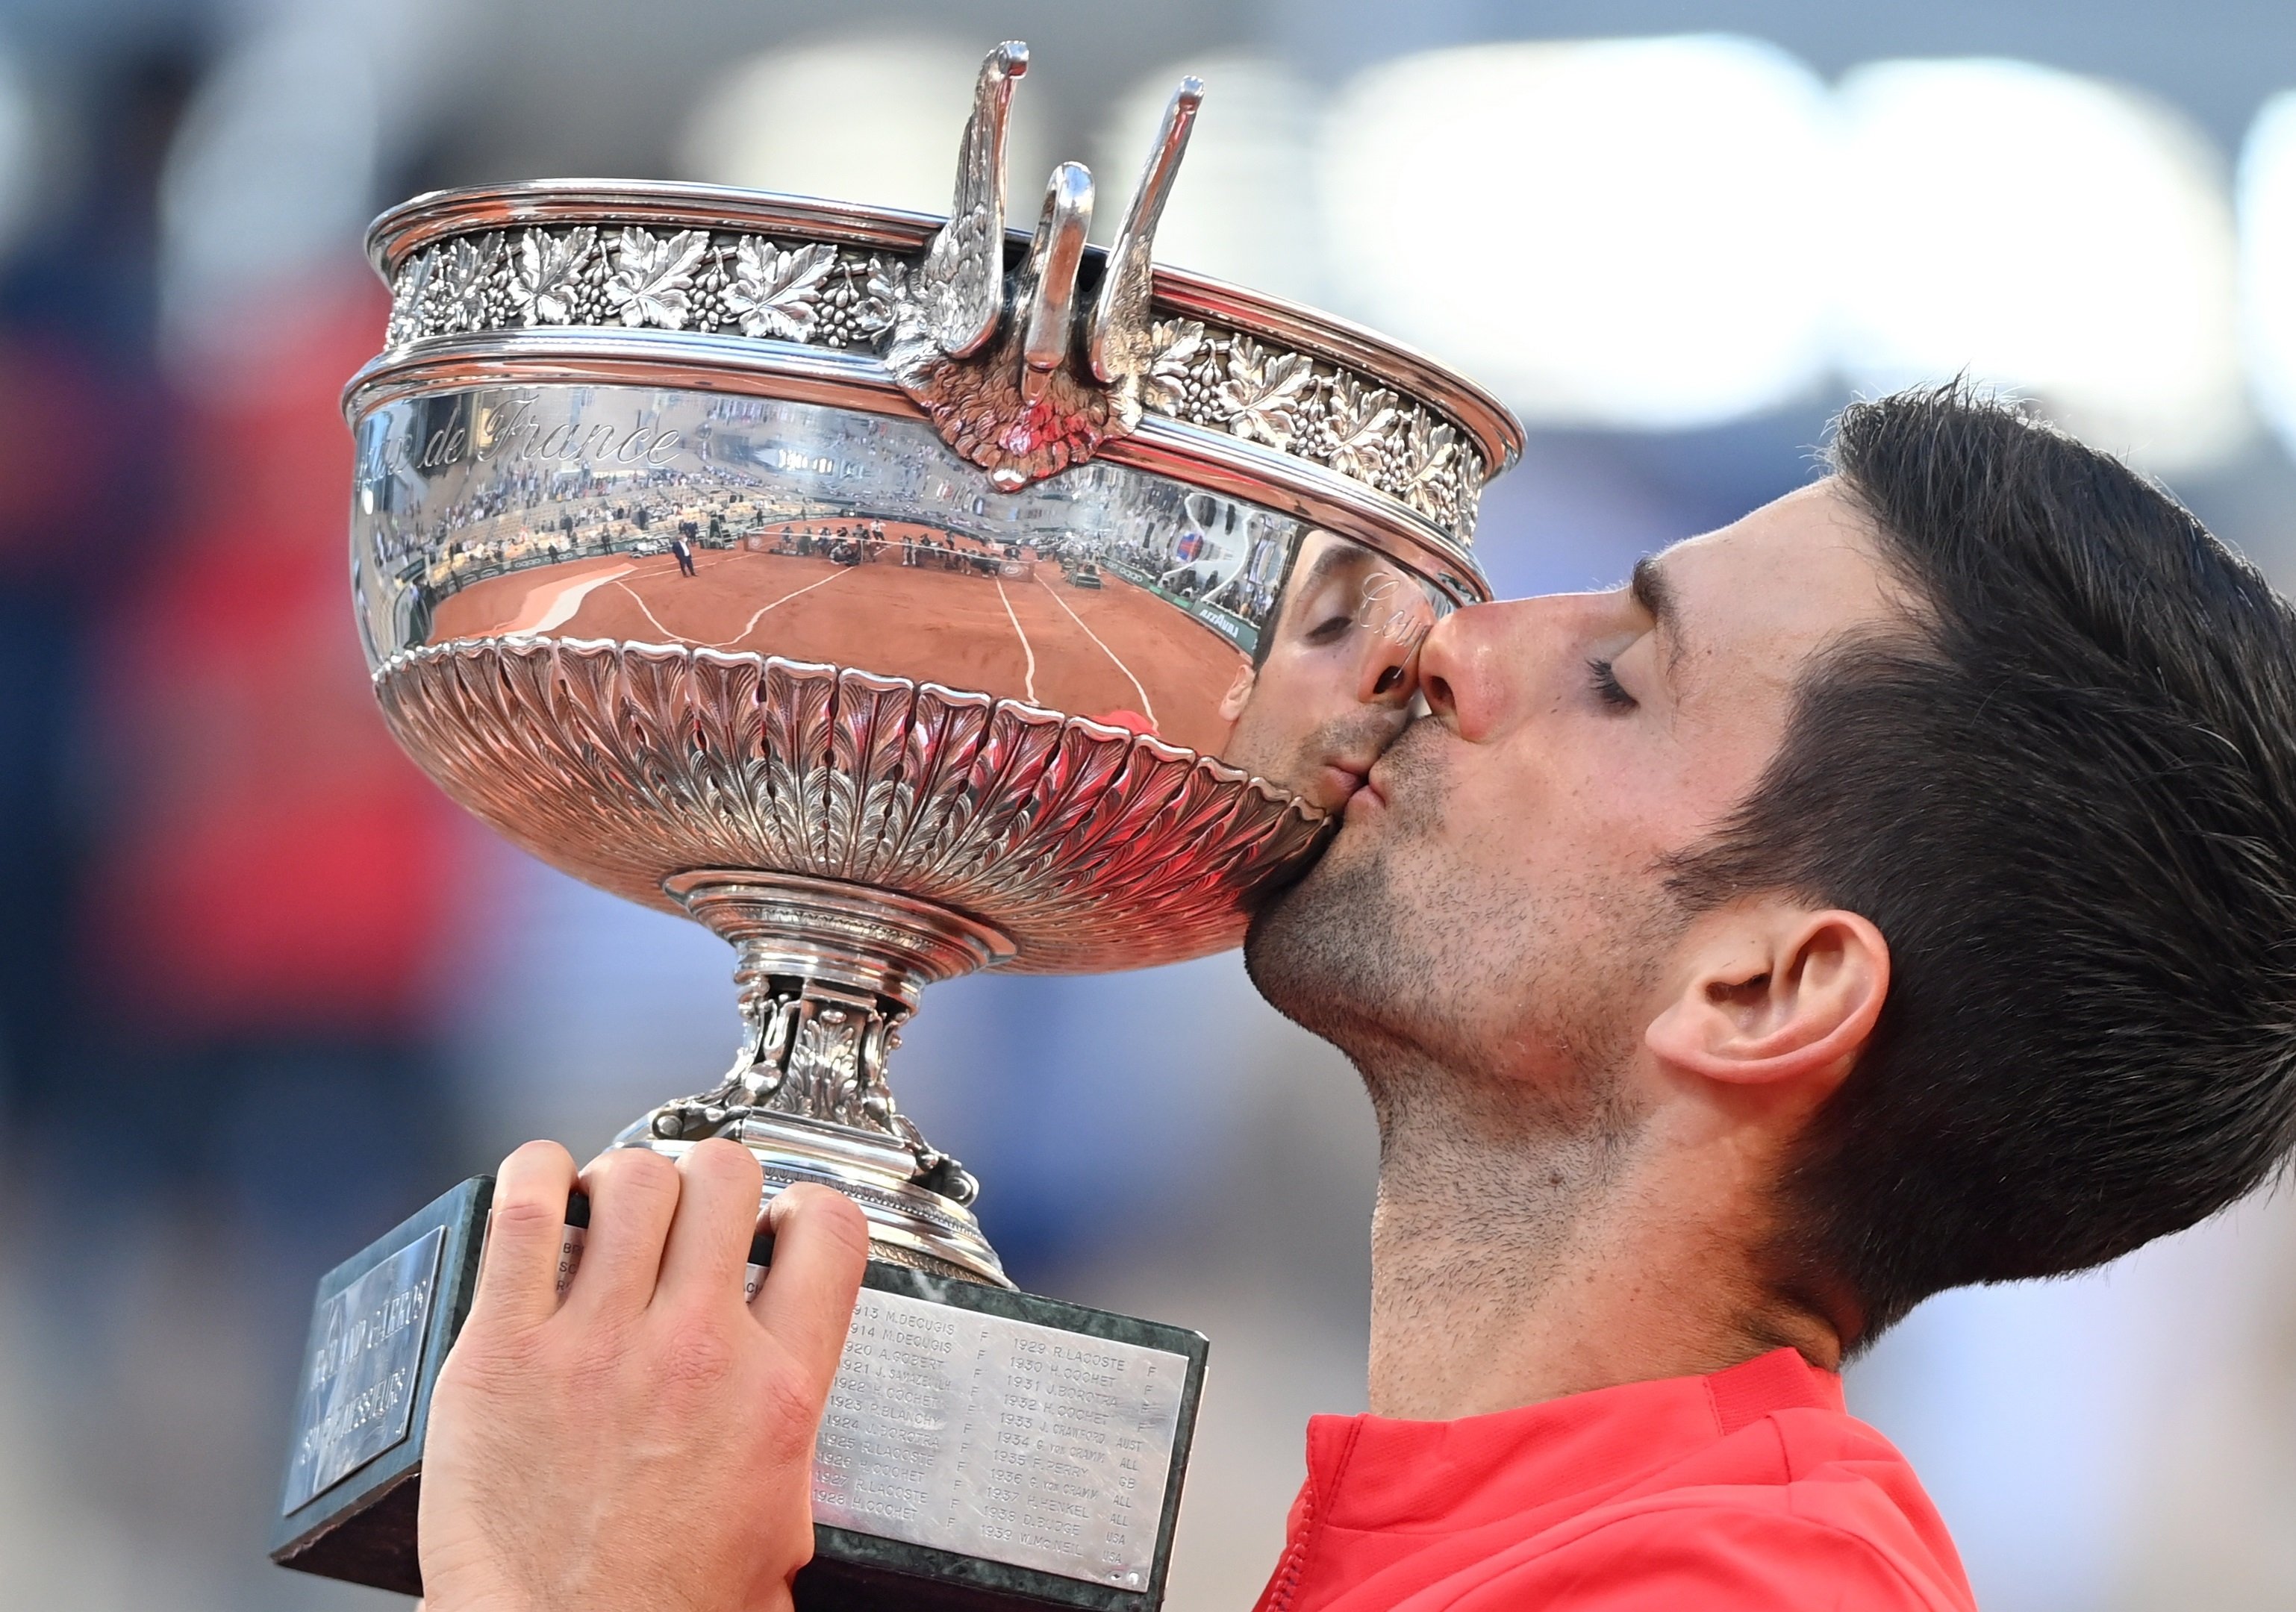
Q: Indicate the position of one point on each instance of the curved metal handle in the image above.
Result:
(1120, 321)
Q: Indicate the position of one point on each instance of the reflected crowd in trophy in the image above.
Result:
(264, 989)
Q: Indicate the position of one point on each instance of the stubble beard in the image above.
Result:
(1492, 1027)
(1297, 763)
(1426, 972)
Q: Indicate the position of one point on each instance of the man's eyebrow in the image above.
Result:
(1651, 589)
(1339, 554)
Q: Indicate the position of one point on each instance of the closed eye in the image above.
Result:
(1608, 688)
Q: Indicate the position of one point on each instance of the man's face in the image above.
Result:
(1335, 684)
(1494, 901)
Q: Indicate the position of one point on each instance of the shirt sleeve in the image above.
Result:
(1700, 1559)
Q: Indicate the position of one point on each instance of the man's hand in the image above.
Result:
(648, 1442)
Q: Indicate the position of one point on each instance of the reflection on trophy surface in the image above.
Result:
(898, 599)
(1333, 683)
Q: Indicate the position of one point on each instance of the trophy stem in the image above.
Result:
(828, 972)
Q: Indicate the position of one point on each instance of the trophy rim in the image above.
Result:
(400, 231)
(857, 382)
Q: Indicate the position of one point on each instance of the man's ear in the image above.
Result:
(1239, 693)
(1771, 992)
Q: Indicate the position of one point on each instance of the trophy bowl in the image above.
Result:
(898, 597)
(894, 595)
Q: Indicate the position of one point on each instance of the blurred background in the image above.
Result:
(262, 993)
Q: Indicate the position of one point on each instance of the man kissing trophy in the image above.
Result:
(897, 597)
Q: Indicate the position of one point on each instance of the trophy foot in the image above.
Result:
(828, 972)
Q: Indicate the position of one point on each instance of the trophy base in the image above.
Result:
(983, 1448)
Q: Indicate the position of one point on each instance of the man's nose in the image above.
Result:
(1387, 675)
(1463, 669)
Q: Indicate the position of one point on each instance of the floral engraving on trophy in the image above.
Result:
(1262, 394)
(1232, 382)
(652, 277)
(1352, 434)
(547, 282)
(464, 275)
(776, 292)
(411, 312)
(817, 294)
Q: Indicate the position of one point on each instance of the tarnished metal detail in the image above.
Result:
(1091, 848)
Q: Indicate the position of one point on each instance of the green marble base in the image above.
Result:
(984, 1449)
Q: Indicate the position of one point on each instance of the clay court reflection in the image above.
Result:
(752, 526)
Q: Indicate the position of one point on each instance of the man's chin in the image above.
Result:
(1317, 949)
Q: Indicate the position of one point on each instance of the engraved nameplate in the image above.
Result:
(998, 1438)
(359, 1396)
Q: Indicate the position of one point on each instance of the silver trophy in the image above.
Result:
(897, 596)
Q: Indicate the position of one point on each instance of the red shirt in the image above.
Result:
(1750, 1489)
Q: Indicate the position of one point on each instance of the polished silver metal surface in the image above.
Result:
(1027, 404)
(764, 295)
(358, 1399)
(894, 596)
(1003, 378)
(999, 1438)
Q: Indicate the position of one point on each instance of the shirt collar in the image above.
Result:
(1375, 1472)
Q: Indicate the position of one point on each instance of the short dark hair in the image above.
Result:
(2067, 797)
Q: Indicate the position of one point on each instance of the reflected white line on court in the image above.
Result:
(650, 615)
(1028, 680)
(1147, 708)
(748, 627)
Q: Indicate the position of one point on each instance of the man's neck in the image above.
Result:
(1513, 1263)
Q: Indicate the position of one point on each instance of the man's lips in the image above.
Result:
(1349, 778)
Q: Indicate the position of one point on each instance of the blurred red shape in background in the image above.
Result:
(275, 862)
